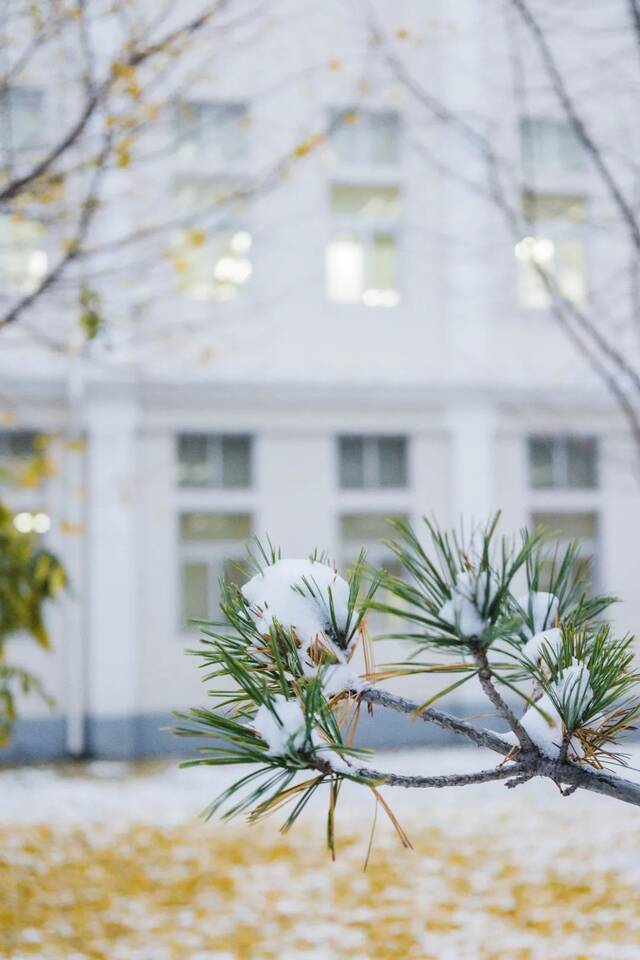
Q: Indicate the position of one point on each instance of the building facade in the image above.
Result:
(362, 338)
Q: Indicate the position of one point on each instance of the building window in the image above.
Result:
(362, 256)
(368, 530)
(23, 259)
(563, 462)
(214, 134)
(554, 249)
(370, 462)
(563, 528)
(221, 461)
(211, 548)
(21, 118)
(212, 264)
(550, 146)
(366, 137)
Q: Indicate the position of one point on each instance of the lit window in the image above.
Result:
(211, 547)
(214, 460)
(554, 250)
(23, 260)
(211, 264)
(562, 529)
(372, 462)
(550, 146)
(557, 462)
(215, 134)
(361, 259)
(363, 137)
(21, 118)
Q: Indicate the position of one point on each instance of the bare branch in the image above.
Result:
(503, 709)
(73, 250)
(578, 124)
(134, 59)
(481, 737)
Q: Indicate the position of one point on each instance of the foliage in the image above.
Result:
(30, 576)
(506, 610)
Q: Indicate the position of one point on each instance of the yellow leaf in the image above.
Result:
(334, 65)
(402, 34)
(196, 237)
(306, 146)
(71, 529)
(8, 417)
(122, 70)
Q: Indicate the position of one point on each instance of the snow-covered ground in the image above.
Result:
(111, 861)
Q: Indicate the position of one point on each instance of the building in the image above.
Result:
(365, 338)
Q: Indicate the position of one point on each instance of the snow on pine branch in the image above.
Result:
(313, 600)
(290, 700)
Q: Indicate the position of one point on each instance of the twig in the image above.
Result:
(479, 736)
(503, 708)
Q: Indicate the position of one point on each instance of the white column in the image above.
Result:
(473, 437)
(111, 574)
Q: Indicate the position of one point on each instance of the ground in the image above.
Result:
(110, 862)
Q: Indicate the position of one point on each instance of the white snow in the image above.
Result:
(273, 596)
(339, 677)
(283, 727)
(463, 610)
(550, 638)
(573, 690)
(574, 687)
(543, 607)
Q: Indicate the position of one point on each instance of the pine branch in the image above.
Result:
(479, 736)
(503, 708)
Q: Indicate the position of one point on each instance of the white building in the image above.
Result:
(366, 338)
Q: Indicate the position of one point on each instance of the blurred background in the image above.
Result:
(292, 268)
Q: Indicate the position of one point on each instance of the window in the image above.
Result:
(562, 529)
(211, 264)
(557, 462)
(361, 259)
(554, 249)
(211, 547)
(372, 462)
(366, 137)
(17, 449)
(358, 530)
(550, 146)
(214, 134)
(23, 260)
(21, 116)
(212, 460)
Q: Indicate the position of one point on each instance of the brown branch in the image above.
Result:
(134, 59)
(73, 251)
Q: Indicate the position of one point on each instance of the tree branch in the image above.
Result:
(479, 736)
(576, 121)
(529, 763)
(443, 780)
(503, 708)
(135, 59)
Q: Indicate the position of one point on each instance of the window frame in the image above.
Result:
(215, 460)
(363, 229)
(372, 461)
(559, 445)
(556, 230)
